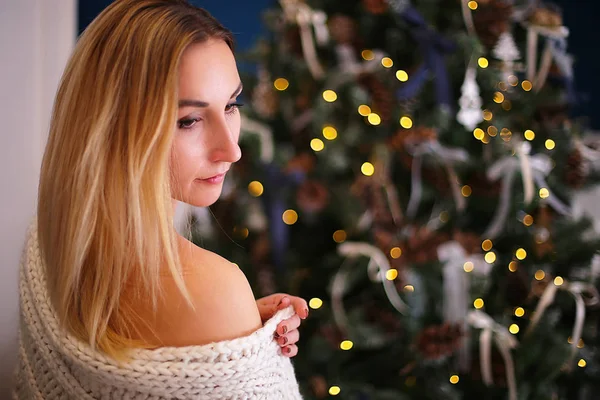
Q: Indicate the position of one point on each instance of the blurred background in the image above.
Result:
(411, 179)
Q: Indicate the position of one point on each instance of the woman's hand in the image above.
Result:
(287, 333)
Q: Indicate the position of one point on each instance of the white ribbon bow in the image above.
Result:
(533, 32)
(505, 341)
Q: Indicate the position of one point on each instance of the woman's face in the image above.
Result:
(205, 143)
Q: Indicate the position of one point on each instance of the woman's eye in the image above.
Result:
(233, 108)
(187, 123)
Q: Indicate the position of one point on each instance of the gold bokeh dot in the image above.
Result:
(514, 329)
(468, 266)
(374, 119)
(490, 257)
(368, 55)
(478, 133)
(487, 245)
(329, 132)
(396, 252)
(454, 378)
(401, 75)
(346, 345)
(367, 169)
(513, 266)
(255, 188)
(519, 311)
(478, 303)
(281, 84)
(498, 97)
(290, 217)
(529, 134)
(521, 254)
(483, 62)
(539, 275)
(339, 236)
(406, 122)
(329, 96)
(334, 390)
(526, 85)
(315, 303)
(317, 144)
(391, 274)
(387, 62)
(544, 193)
(364, 110)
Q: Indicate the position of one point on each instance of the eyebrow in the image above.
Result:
(202, 104)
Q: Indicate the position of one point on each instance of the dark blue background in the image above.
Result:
(243, 17)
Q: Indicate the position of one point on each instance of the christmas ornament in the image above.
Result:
(312, 196)
(506, 51)
(470, 113)
(575, 174)
(438, 341)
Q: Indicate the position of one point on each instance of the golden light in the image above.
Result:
(387, 62)
(468, 266)
(409, 288)
(334, 390)
(339, 236)
(317, 144)
(281, 84)
(580, 344)
(401, 75)
(391, 274)
(539, 275)
(478, 303)
(488, 115)
(513, 80)
(406, 122)
(514, 329)
(367, 169)
(519, 311)
(374, 119)
(498, 97)
(490, 257)
(558, 281)
(290, 217)
(367, 55)
(485, 140)
(526, 85)
(454, 378)
(550, 144)
(396, 252)
(581, 363)
(329, 96)
(346, 345)
(492, 130)
(529, 134)
(528, 220)
(315, 303)
(241, 232)
(444, 216)
(255, 188)
(364, 110)
(478, 133)
(483, 62)
(513, 266)
(487, 245)
(506, 105)
(521, 254)
(544, 193)
(502, 86)
(330, 133)
(466, 191)
(473, 5)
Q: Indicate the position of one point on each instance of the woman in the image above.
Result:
(111, 296)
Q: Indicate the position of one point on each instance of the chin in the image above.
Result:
(204, 197)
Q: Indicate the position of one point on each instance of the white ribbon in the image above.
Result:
(300, 13)
(507, 168)
(468, 18)
(504, 341)
(448, 156)
(377, 268)
(264, 134)
(533, 32)
(577, 289)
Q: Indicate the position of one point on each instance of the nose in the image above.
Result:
(224, 142)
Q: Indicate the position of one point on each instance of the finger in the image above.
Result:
(283, 303)
(290, 351)
(289, 338)
(300, 307)
(288, 325)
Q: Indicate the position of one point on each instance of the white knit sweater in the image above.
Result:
(55, 365)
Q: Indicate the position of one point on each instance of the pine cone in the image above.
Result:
(375, 6)
(574, 174)
(546, 17)
(312, 196)
(383, 99)
(437, 341)
(491, 20)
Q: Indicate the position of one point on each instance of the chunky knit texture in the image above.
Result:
(55, 365)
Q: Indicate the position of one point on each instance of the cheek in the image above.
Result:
(185, 156)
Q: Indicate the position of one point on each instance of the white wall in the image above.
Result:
(36, 37)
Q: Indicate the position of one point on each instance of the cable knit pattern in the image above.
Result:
(55, 365)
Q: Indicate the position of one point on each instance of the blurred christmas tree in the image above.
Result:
(409, 167)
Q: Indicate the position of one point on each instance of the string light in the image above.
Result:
(364, 110)
(406, 122)
(483, 62)
(334, 390)
(466, 191)
(526, 85)
(339, 236)
(391, 274)
(539, 275)
(409, 288)
(468, 266)
(550, 144)
(290, 217)
(582, 363)
(367, 55)
(367, 169)
(444, 216)
(580, 344)
(498, 97)
(519, 311)
(396, 252)
(502, 86)
(281, 84)
(374, 119)
(513, 80)
(529, 134)
(485, 140)
(544, 193)
(401, 75)
(317, 144)
(514, 329)
(478, 303)
(329, 133)
(473, 5)
(387, 62)
(454, 378)
(505, 134)
(329, 96)
(490, 257)
(488, 115)
(558, 281)
(521, 254)
(527, 220)
(478, 133)
(241, 232)
(492, 130)
(346, 345)
(487, 245)
(513, 266)
(315, 303)
(255, 188)
(507, 105)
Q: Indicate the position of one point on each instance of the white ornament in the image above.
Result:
(470, 113)
(506, 50)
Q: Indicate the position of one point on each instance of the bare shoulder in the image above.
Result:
(224, 305)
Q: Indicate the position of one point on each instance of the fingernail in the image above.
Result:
(305, 312)
(285, 339)
(287, 350)
(284, 330)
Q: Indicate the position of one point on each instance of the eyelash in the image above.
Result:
(189, 123)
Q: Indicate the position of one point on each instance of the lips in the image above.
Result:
(214, 179)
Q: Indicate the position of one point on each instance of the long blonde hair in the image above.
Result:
(104, 208)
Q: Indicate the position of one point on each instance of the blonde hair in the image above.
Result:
(104, 209)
